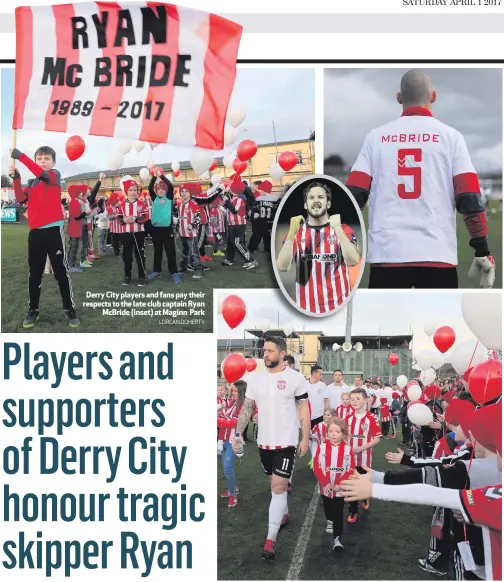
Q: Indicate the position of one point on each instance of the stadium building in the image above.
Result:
(367, 356)
(258, 167)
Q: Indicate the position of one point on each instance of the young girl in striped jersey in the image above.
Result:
(334, 462)
(133, 214)
(227, 419)
(344, 410)
(319, 431)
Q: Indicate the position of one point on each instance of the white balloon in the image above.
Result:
(430, 328)
(125, 146)
(288, 328)
(216, 179)
(483, 316)
(138, 146)
(236, 116)
(144, 174)
(228, 161)
(461, 356)
(264, 324)
(175, 166)
(425, 359)
(115, 161)
(229, 137)
(420, 414)
(205, 176)
(427, 376)
(170, 177)
(388, 391)
(201, 160)
(275, 171)
(401, 381)
(438, 360)
(414, 392)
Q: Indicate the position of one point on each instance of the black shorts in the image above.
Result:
(417, 277)
(315, 421)
(278, 461)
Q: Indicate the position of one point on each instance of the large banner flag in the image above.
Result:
(141, 70)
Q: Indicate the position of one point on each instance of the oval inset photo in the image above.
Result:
(319, 245)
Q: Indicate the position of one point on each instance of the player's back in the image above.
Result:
(414, 163)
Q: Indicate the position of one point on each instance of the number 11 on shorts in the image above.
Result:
(285, 465)
(416, 172)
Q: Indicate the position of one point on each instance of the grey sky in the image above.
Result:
(390, 313)
(285, 96)
(359, 100)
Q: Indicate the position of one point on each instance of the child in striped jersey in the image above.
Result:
(344, 410)
(334, 462)
(319, 431)
(385, 416)
(364, 434)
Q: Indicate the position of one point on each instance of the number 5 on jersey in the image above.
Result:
(416, 172)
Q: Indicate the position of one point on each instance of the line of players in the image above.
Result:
(466, 454)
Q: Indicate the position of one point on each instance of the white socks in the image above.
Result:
(277, 509)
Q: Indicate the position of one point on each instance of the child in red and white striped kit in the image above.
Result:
(385, 416)
(189, 221)
(237, 224)
(319, 431)
(344, 410)
(133, 214)
(364, 433)
(334, 462)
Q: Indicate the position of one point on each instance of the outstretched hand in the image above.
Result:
(395, 458)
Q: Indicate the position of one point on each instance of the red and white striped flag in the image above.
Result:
(141, 70)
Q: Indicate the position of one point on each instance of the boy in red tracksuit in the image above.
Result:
(133, 214)
(76, 214)
(385, 416)
(46, 238)
(334, 461)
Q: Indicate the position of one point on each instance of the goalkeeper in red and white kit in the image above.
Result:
(416, 171)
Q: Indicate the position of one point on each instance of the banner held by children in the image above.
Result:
(154, 72)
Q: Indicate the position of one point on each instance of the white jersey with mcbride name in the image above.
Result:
(414, 166)
(276, 396)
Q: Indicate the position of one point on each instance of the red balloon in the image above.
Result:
(238, 166)
(233, 310)
(287, 161)
(213, 166)
(176, 173)
(393, 359)
(485, 381)
(432, 392)
(444, 338)
(467, 373)
(247, 149)
(448, 396)
(233, 367)
(251, 365)
(74, 147)
(411, 383)
(226, 183)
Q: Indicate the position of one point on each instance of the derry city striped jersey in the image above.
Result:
(362, 429)
(322, 276)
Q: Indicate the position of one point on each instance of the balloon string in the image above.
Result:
(472, 357)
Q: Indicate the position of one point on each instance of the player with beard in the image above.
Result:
(281, 396)
(322, 249)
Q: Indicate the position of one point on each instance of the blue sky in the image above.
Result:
(286, 96)
(388, 313)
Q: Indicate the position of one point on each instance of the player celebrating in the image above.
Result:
(322, 249)
(280, 395)
(364, 434)
(416, 171)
